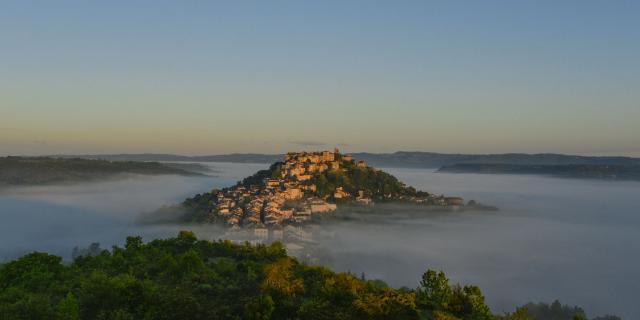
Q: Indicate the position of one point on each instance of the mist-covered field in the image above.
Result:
(573, 240)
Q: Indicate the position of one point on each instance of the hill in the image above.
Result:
(305, 184)
(582, 171)
(45, 170)
(437, 160)
(234, 157)
(403, 159)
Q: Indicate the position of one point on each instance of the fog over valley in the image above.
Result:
(320, 160)
(573, 240)
(56, 218)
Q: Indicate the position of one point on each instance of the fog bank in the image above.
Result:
(573, 240)
(57, 218)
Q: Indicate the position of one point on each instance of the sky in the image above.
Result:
(214, 77)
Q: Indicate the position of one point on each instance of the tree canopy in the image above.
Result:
(187, 278)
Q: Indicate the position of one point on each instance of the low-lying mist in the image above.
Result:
(57, 218)
(573, 240)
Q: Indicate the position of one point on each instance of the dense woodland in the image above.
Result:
(184, 278)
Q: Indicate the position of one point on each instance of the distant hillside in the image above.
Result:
(437, 160)
(586, 171)
(234, 157)
(401, 159)
(45, 170)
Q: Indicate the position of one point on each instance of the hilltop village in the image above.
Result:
(306, 184)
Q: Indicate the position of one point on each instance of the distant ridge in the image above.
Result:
(401, 159)
(584, 171)
(18, 171)
(437, 160)
(232, 157)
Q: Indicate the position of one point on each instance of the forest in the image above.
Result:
(187, 278)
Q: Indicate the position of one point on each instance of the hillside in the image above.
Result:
(233, 157)
(305, 184)
(43, 170)
(400, 159)
(581, 171)
(437, 160)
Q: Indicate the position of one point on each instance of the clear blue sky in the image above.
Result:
(204, 77)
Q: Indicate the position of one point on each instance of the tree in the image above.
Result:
(434, 292)
(391, 304)
(260, 308)
(478, 310)
(133, 243)
(68, 308)
(280, 279)
(521, 313)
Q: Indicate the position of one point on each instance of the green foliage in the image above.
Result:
(34, 271)
(196, 209)
(184, 278)
(474, 304)
(92, 250)
(434, 291)
(391, 304)
(554, 311)
(260, 308)
(520, 314)
(436, 297)
(276, 174)
(379, 185)
(68, 308)
(258, 177)
(440, 315)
